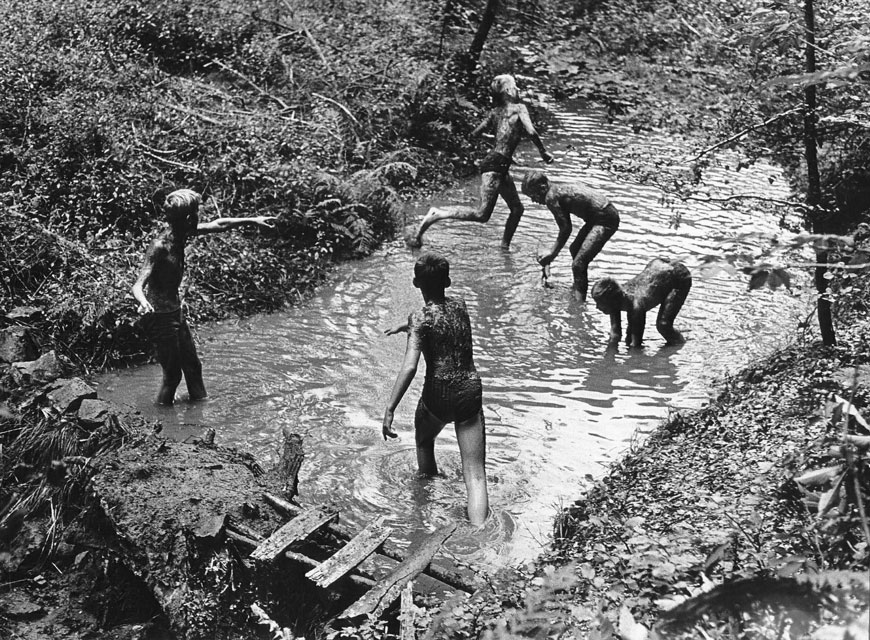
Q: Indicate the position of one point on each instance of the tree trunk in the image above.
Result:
(814, 189)
(472, 58)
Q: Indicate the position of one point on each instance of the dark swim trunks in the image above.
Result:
(161, 326)
(452, 400)
(495, 162)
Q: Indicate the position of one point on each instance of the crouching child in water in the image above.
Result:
(157, 291)
(663, 282)
(452, 390)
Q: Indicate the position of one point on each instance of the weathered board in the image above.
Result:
(407, 613)
(350, 555)
(387, 590)
(298, 528)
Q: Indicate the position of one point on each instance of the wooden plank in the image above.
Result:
(298, 528)
(407, 613)
(387, 549)
(359, 580)
(382, 596)
(350, 555)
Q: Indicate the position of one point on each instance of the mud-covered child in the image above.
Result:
(452, 391)
(663, 282)
(157, 290)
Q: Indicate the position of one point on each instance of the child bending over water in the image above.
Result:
(452, 391)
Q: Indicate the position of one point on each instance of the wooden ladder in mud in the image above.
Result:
(374, 538)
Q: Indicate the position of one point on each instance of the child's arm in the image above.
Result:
(615, 328)
(546, 156)
(144, 275)
(226, 224)
(636, 322)
(482, 126)
(563, 219)
(403, 381)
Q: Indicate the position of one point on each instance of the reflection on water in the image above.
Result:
(558, 404)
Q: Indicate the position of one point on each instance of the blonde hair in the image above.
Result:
(182, 202)
(501, 84)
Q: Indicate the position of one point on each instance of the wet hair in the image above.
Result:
(182, 203)
(535, 181)
(606, 290)
(501, 83)
(432, 271)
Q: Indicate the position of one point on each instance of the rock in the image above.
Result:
(17, 344)
(68, 394)
(210, 530)
(47, 368)
(19, 607)
(25, 315)
(93, 413)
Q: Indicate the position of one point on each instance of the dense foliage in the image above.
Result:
(272, 108)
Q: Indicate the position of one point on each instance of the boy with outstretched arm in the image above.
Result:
(452, 391)
(157, 291)
(663, 282)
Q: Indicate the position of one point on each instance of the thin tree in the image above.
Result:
(472, 58)
(814, 189)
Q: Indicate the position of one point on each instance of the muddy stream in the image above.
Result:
(558, 409)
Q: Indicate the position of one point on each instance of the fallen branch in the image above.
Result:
(259, 89)
(187, 110)
(168, 161)
(340, 106)
(745, 131)
(786, 203)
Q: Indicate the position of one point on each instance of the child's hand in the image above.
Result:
(387, 429)
(265, 221)
(548, 157)
(402, 328)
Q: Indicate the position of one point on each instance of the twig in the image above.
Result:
(317, 48)
(339, 105)
(178, 107)
(690, 27)
(787, 203)
(742, 133)
(168, 161)
(259, 89)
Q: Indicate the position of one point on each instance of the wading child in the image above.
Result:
(662, 282)
(511, 121)
(452, 390)
(157, 291)
(590, 205)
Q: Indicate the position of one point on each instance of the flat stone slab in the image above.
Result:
(67, 394)
(94, 412)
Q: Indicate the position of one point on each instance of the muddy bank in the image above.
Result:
(109, 530)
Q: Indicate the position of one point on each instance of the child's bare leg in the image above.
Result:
(490, 183)
(508, 192)
(426, 429)
(471, 436)
(589, 242)
(169, 356)
(190, 364)
(668, 313)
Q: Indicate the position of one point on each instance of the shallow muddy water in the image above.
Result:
(558, 409)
